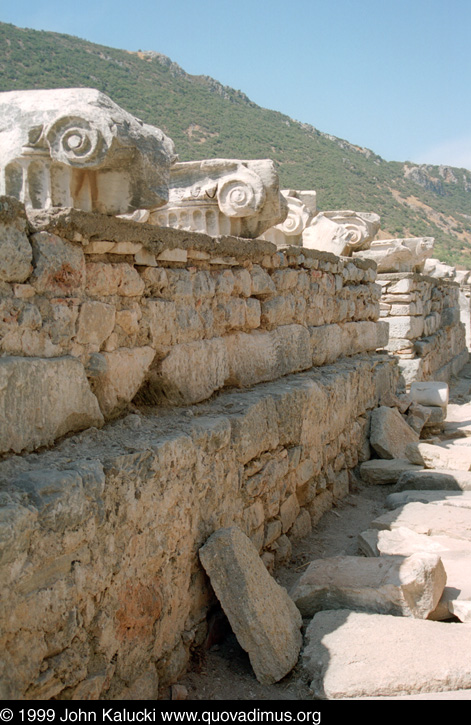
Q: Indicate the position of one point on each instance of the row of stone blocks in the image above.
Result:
(99, 535)
(95, 310)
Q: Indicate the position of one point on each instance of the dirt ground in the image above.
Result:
(223, 672)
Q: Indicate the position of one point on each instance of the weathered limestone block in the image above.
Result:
(455, 458)
(260, 356)
(430, 520)
(95, 323)
(399, 255)
(381, 471)
(341, 232)
(454, 553)
(411, 587)
(444, 479)
(255, 429)
(59, 267)
(430, 393)
(15, 249)
(43, 399)
(190, 373)
(77, 148)
(126, 371)
(404, 542)
(354, 654)
(405, 327)
(390, 435)
(264, 619)
(223, 196)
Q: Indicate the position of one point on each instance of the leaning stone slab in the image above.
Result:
(429, 520)
(353, 654)
(462, 499)
(265, 620)
(443, 479)
(390, 585)
(390, 434)
(42, 399)
(382, 471)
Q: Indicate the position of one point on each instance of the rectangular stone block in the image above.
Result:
(42, 399)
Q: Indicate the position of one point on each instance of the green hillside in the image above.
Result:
(206, 119)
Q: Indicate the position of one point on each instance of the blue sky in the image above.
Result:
(392, 76)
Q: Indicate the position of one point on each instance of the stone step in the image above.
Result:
(354, 654)
(429, 520)
(411, 586)
(454, 553)
(428, 455)
(461, 499)
(381, 471)
(441, 479)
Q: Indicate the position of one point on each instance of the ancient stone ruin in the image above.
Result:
(171, 387)
(76, 148)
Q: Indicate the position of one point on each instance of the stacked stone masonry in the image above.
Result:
(425, 330)
(100, 535)
(169, 315)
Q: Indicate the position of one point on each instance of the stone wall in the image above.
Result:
(96, 310)
(425, 331)
(99, 536)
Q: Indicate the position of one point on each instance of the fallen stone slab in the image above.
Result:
(410, 586)
(455, 555)
(355, 654)
(456, 458)
(404, 542)
(42, 399)
(462, 499)
(418, 417)
(382, 471)
(429, 393)
(390, 434)
(442, 479)
(264, 619)
(429, 520)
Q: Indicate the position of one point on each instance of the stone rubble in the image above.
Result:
(390, 435)
(348, 652)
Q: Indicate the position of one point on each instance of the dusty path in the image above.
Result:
(223, 672)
